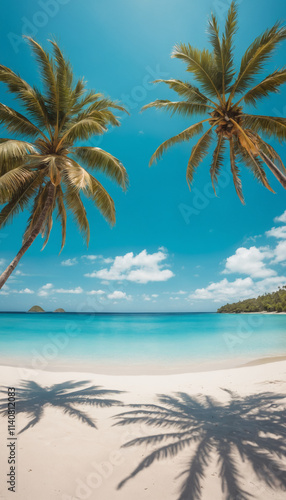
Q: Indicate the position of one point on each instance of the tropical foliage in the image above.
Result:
(43, 170)
(270, 302)
(250, 428)
(222, 96)
(32, 399)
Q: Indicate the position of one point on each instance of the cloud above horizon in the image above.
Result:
(141, 268)
(69, 262)
(253, 262)
(118, 295)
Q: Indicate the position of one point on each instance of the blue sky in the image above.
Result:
(167, 239)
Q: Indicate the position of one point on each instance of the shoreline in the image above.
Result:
(143, 369)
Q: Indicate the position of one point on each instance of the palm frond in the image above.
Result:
(222, 78)
(81, 179)
(12, 182)
(270, 151)
(186, 90)
(199, 151)
(20, 201)
(268, 85)
(61, 214)
(186, 135)
(82, 129)
(183, 108)
(102, 200)
(217, 161)
(13, 152)
(26, 94)
(256, 56)
(253, 163)
(39, 203)
(103, 117)
(271, 126)
(103, 161)
(201, 64)
(75, 205)
(235, 171)
(103, 104)
(274, 169)
(79, 90)
(83, 101)
(227, 44)
(48, 78)
(47, 227)
(64, 83)
(17, 123)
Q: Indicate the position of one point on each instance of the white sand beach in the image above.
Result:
(62, 457)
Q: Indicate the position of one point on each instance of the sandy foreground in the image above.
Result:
(63, 457)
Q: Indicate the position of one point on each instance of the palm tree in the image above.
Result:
(32, 399)
(252, 428)
(44, 175)
(222, 96)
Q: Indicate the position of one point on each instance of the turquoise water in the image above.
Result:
(138, 339)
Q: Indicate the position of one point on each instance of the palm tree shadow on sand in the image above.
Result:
(251, 429)
(32, 399)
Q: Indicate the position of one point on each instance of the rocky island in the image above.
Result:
(36, 309)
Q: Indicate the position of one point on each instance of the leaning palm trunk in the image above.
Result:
(274, 169)
(37, 228)
(44, 173)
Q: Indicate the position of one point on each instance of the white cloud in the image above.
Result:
(26, 290)
(2, 262)
(45, 290)
(75, 291)
(252, 262)
(146, 297)
(117, 294)
(281, 218)
(141, 268)
(96, 292)
(70, 262)
(249, 261)
(154, 295)
(91, 257)
(280, 253)
(108, 260)
(277, 232)
(20, 273)
(49, 289)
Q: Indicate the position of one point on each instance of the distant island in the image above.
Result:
(36, 309)
(270, 302)
(39, 309)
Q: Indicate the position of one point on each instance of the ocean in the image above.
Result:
(139, 343)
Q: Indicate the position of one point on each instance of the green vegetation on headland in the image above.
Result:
(60, 310)
(270, 302)
(36, 309)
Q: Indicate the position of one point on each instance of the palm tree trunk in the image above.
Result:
(38, 226)
(274, 169)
